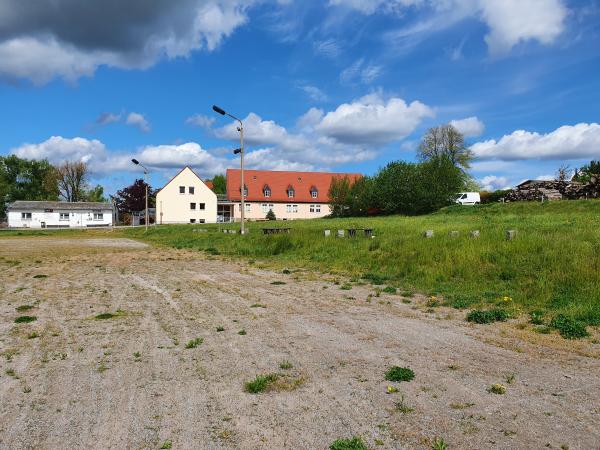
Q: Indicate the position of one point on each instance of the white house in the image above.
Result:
(43, 214)
(186, 199)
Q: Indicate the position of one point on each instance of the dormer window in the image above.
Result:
(291, 192)
(245, 191)
(314, 193)
(266, 190)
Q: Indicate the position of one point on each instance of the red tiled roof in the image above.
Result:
(279, 182)
(209, 184)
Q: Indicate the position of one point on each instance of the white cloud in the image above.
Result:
(493, 183)
(329, 48)
(564, 143)
(360, 72)
(176, 156)
(200, 120)
(373, 121)
(107, 118)
(315, 94)
(58, 149)
(510, 22)
(309, 119)
(469, 127)
(58, 38)
(139, 121)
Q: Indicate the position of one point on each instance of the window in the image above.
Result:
(312, 208)
(294, 208)
(182, 189)
(202, 206)
(193, 206)
(48, 210)
(26, 216)
(191, 190)
(288, 208)
(245, 191)
(267, 191)
(98, 216)
(248, 207)
(64, 216)
(314, 193)
(315, 208)
(192, 220)
(267, 207)
(290, 192)
(201, 221)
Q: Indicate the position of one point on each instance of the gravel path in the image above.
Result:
(78, 383)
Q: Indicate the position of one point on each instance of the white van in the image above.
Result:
(468, 198)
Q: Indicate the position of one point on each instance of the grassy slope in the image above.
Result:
(554, 264)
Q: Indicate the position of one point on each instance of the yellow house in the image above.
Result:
(186, 199)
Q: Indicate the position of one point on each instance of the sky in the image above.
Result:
(336, 85)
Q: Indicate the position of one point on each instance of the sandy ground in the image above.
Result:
(129, 382)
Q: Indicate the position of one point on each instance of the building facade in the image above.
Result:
(290, 195)
(186, 199)
(42, 214)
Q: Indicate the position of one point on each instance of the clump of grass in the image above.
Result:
(258, 305)
(33, 335)
(194, 343)
(355, 443)
(40, 276)
(260, 383)
(137, 355)
(26, 390)
(488, 316)
(212, 251)
(399, 374)
(242, 332)
(108, 315)
(375, 278)
(286, 365)
(286, 271)
(346, 287)
(403, 407)
(408, 294)
(510, 378)
(277, 282)
(11, 373)
(439, 444)
(568, 327)
(536, 317)
(25, 319)
(543, 329)
(166, 445)
(23, 308)
(220, 328)
(497, 389)
(461, 405)
(389, 290)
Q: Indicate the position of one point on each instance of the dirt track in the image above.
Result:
(88, 390)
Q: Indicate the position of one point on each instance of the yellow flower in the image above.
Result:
(507, 299)
(391, 389)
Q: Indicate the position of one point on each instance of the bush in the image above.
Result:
(568, 327)
(489, 316)
(260, 383)
(399, 374)
(355, 443)
(25, 319)
(270, 215)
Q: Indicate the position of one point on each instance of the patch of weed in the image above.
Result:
(355, 443)
(543, 329)
(137, 355)
(403, 407)
(408, 294)
(510, 378)
(399, 374)
(26, 390)
(212, 251)
(166, 445)
(277, 283)
(260, 383)
(389, 290)
(286, 272)
(33, 335)
(40, 276)
(497, 389)
(568, 327)
(346, 287)
(242, 332)
(286, 365)
(194, 343)
(220, 328)
(536, 317)
(25, 319)
(461, 405)
(439, 444)
(11, 373)
(258, 305)
(108, 315)
(488, 316)
(23, 308)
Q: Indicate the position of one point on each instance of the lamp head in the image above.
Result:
(135, 161)
(218, 110)
(237, 151)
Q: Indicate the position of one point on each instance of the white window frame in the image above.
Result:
(61, 216)
(294, 209)
(264, 208)
(314, 193)
(317, 208)
(291, 193)
(248, 207)
(267, 193)
(25, 216)
(288, 208)
(311, 208)
(98, 216)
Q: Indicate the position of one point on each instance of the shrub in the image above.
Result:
(399, 374)
(497, 389)
(260, 383)
(194, 343)
(355, 443)
(568, 327)
(270, 215)
(25, 319)
(537, 317)
(489, 316)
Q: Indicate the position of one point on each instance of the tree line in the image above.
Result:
(406, 187)
(25, 179)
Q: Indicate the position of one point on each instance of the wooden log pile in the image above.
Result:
(535, 190)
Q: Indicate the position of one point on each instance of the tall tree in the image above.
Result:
(445, 141)
(95, 194)
(219, 184)
(585, 173)
(339, 194)
(133, 198)
(563, 173)
(23, 179)
(72, 180)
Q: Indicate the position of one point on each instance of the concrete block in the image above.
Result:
(327, 233)
(475, 234)
(340, 233)
(453, 234)
(511, 234)
(428, 234)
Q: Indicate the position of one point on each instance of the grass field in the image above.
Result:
(553, 265)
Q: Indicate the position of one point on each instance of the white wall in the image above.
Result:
(174, 207)
(302, 210)
(77, 218)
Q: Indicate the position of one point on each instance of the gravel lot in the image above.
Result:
(129, 382)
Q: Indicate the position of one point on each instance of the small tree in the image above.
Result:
(563, 173)
(445, 141)
(133, 198)
(339, 193)
(271, 215)
(72, 180)
(219, 184)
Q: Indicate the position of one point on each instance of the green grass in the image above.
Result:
(260, 383)
(569, 327)
(108, 315)
(488, 316)
(399, 374)
(286, 365)
(25, 319)
(355, 443)
(553, 266)
(194, 343)
(23, 308)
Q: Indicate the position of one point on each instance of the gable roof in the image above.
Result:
(71, 206)
(279, 181)
(179, 173)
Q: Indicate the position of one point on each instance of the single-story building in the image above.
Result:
(48, 214)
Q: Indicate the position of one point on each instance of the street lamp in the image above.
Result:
(239, 151)
(137, 163)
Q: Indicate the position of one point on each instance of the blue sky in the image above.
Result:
(341, 85)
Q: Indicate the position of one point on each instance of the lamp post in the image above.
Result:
(137, 163)
(239, 151)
